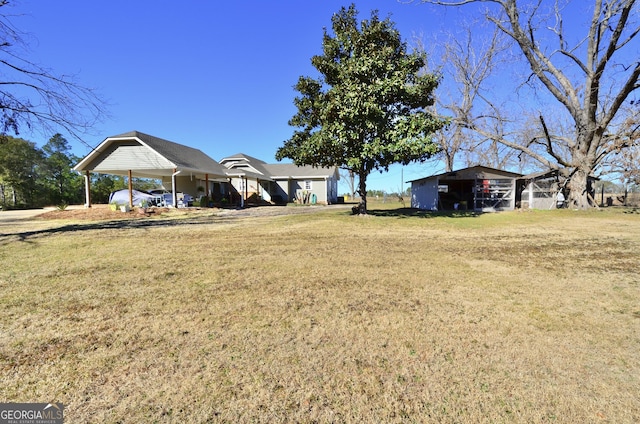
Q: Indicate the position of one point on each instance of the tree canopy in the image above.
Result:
(34, 177)
(370, 107)
(63, 185)
(19, 164)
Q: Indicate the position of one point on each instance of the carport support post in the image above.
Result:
(531, 194)
(130, 191)
(87, 189)
(174, 190)
(243, 184)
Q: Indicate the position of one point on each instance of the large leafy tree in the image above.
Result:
(370, 107)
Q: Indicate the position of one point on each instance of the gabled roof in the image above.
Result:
(242, 157)
(147, 155)
(241, 164)
(182, 156)
(478, 171)
(245, 165)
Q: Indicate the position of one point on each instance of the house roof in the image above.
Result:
(146, 155)
(242, 157)
(242, 164)
(290, 170)
(478, 171)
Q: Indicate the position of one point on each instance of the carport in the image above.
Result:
(135, 154)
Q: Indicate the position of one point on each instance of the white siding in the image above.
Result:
(319, 187)
(129, 156)
(424, 194)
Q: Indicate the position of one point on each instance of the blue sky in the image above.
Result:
(216, 76)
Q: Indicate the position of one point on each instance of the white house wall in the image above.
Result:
(424, 194)
(326, 190)
(283, 190)
(239, 184)
(184, 184)
(318, 187)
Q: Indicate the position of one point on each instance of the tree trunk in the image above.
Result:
(362, 191)
(448, 161)
(578, 193)
(352, 184)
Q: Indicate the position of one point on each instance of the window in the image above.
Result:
(307, 185)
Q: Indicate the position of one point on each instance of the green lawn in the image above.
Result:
(326, 317)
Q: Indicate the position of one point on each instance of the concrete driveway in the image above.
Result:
(13, 217)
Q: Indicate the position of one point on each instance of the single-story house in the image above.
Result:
(239, 178)
(253, 180)
(135, 154)
(478, 188)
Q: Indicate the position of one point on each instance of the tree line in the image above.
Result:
(35, 177)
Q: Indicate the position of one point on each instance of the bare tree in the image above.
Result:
(625, 145)
(591, 78)
(349, 176)
(471, 63)
(33, 96)
(470, 66)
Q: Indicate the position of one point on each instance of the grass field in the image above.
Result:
(326, 317)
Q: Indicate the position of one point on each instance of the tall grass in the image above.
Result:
(511, 317)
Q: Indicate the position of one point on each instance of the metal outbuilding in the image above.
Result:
(484, 189)
(478, 188)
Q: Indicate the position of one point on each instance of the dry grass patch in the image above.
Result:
(514, 317)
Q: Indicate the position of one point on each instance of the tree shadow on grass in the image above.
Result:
(120, 224)
(417, 213)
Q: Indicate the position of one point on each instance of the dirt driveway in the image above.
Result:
(102, 212)
(10, 217)
(26, 223)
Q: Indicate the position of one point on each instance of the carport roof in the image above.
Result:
(164, 156)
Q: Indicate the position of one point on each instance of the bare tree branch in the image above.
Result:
(590, 79)
(35, 97)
